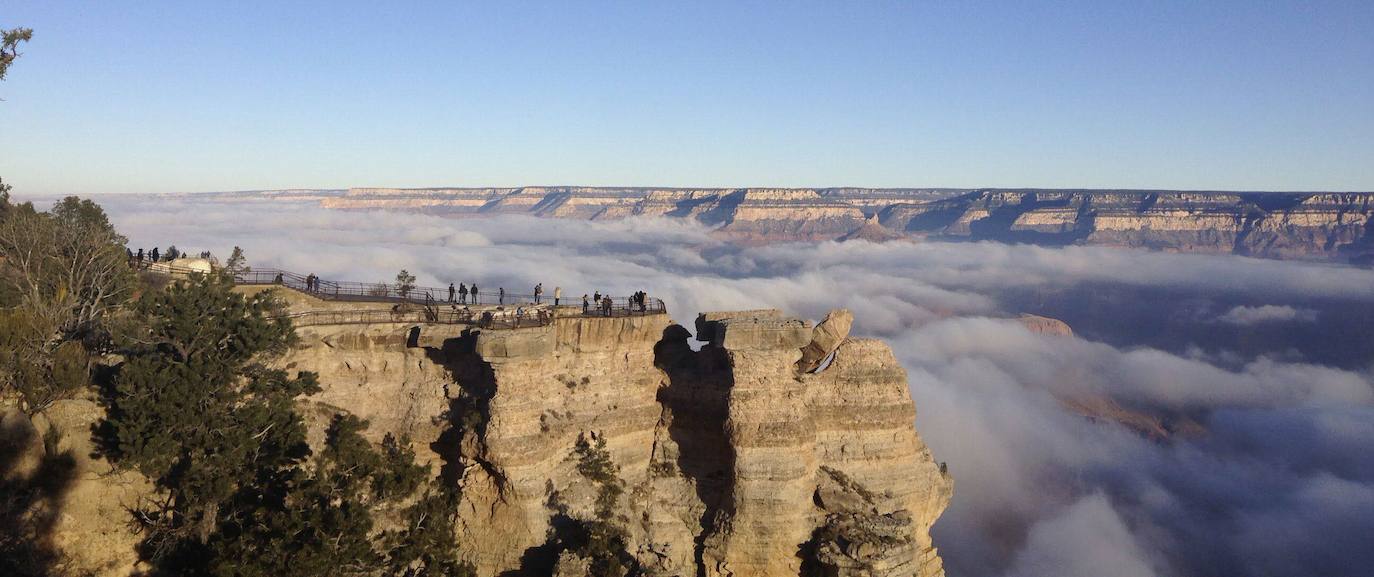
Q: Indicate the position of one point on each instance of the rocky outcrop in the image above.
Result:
(84, 503)
(1045, 325)
(829, 333)
(728, 454)
(734, 459)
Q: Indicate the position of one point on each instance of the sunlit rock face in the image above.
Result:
(1271, 225)
(736, 459)
(743, 214)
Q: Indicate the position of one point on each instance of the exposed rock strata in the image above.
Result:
(1273, 225)
(722, 450)
(733, 459)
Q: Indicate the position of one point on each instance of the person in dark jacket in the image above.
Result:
(473, 291)
(463, 293)
(452, 292)
(501, 296)
(585, 303)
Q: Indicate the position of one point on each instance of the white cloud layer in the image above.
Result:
(1282, 482)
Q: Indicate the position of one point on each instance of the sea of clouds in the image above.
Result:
(1279, 481)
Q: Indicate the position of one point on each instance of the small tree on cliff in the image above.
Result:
(237, 263)
(602, 539)
(405, 282)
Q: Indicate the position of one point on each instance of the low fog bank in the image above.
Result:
(1268, 363)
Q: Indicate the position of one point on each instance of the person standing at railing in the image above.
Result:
(557, 295)
(501, 296)
(452, 292)
(584, 303)
(473, 292)
(538, 292)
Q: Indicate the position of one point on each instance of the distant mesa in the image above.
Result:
(1045, 325)
(1310, 225)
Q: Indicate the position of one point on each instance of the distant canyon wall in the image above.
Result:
(1320, 226)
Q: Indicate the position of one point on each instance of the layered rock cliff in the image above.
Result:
(775, 449)
(744, 214)
(735, 460)
(1336, 226)
(1272, 225)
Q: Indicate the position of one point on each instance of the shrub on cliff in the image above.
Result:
(602, 540)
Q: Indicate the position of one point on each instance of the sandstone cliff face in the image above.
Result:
(1272, 225)
(744, 214)
(729, 454)
(776, 449)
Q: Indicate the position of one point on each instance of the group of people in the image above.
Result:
(312, 282)
(606, 306)
(140, 256)
(460, 295)
(137, 258)
(464, 294)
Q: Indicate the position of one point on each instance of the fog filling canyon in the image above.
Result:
(1212, 417)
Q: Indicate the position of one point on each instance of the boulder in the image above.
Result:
(825, 338)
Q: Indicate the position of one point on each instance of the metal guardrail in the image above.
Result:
(512, 310)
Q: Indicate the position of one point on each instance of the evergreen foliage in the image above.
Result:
(195, 408)
(9, 46)
(237, 263)
(405, 282)
(324, 525)
(602, 539)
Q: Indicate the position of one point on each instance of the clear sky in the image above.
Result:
(201, 96)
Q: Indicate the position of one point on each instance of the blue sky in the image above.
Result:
(199, 96)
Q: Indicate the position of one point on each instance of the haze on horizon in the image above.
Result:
(166, 97)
